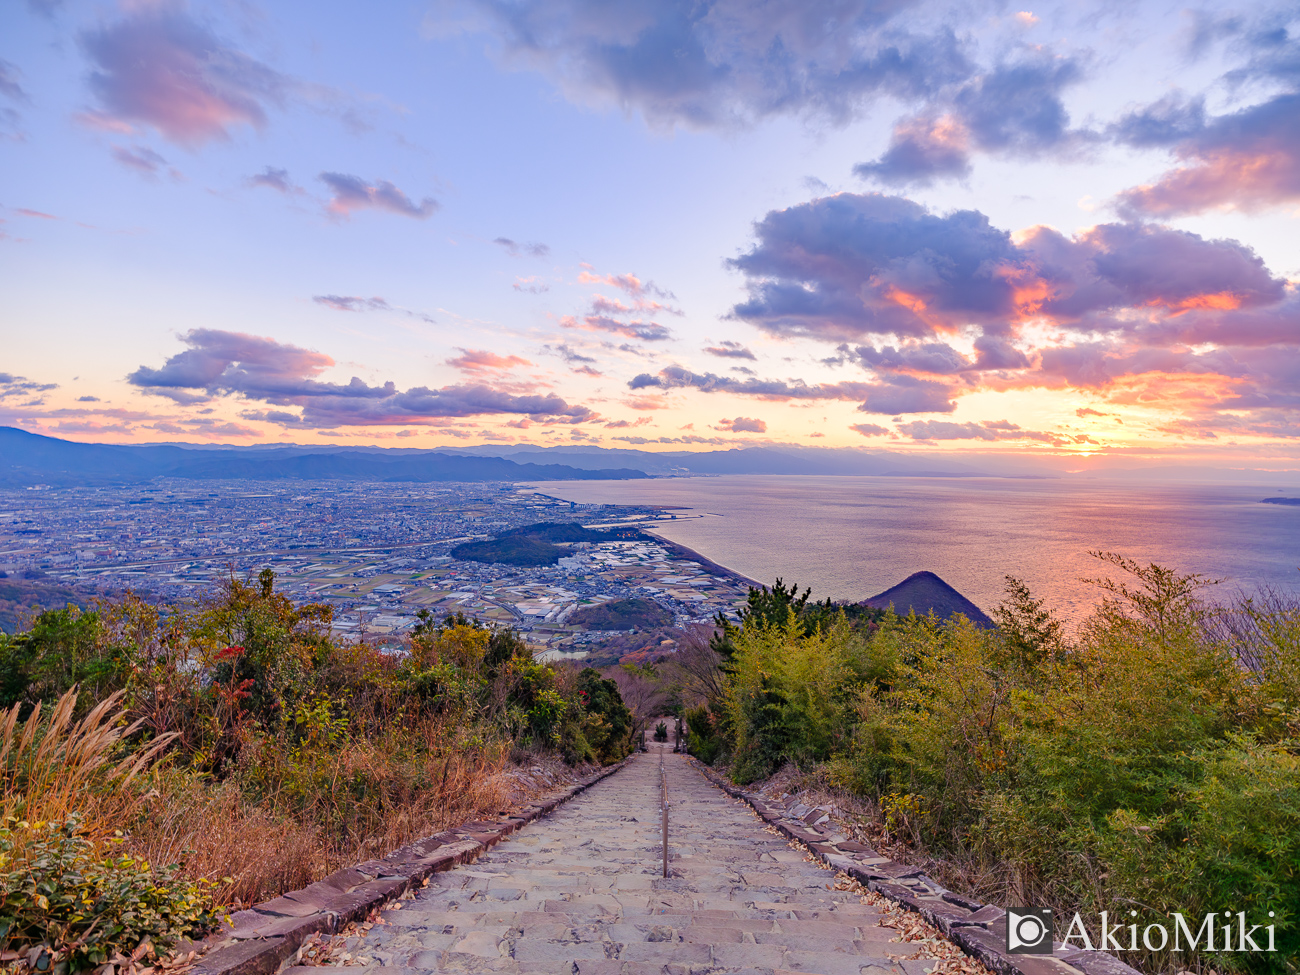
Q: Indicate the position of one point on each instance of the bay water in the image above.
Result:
(852, 537)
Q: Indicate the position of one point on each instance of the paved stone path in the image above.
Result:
(580, 892)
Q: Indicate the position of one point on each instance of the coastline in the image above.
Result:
(682, 552)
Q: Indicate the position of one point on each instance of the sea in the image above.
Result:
(850, 538)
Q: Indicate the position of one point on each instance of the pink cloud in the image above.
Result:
(159, 67)
(480, 360)
(743, 424)
(224, 364)
(351, 193)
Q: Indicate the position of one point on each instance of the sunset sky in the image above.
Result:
(1068, 231)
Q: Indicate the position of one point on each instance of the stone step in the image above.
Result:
(581, 893)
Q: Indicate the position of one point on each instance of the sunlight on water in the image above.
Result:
(852, 537)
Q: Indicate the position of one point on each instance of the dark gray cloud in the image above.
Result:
(160, 67)
(712, 63)
(352, 193)
(219, 363)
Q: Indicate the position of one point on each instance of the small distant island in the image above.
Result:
(1295, 501)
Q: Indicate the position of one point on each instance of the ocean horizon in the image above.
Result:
(850, 538)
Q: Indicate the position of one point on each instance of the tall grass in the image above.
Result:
(52, 765)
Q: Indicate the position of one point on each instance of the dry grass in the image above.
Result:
(52, 766)
(349, 803)
(258, 851)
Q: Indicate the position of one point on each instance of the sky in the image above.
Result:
(1065, 232)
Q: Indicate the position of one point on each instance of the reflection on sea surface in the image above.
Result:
(852, 537)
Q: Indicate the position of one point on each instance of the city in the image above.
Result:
(378, 554)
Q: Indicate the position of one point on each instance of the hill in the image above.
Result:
(533, 545)
(28, 458)
(923, 592)
(623, 614)
(21, 599)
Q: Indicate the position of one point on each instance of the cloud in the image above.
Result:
(350, 303)
(677, 377)
(634, 329)
(628, 283)
(1247, 160)
(351, 193)
(1013, 110)
(923, 148)
(724, 63)
(87, 399)
(930, 431)
(907, 394)
(848, 265)
(943, 305)
(353, 303)
(947, 430)
(275, 179)
(870, 430)
(11, 385)
(515, 249)
(743, 424)
(159, 67)
(569, 354)
(531, 285)
(222, 364)
(851, 266)
(9, 86)
(892, 395)
(688, 439)
(480, 360)
(729, 350)
(142, 159)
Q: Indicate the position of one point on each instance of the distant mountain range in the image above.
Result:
(27, 459)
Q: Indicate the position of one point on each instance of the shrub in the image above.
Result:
(83, 909)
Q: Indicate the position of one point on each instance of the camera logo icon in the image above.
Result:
(1029, 931)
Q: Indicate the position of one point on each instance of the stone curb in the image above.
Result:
(265, 936)
(978, 929)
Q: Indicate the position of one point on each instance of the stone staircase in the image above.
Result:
(581, 892)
